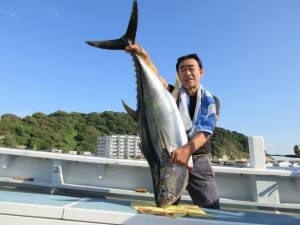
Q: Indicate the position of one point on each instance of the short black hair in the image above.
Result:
(189, 56)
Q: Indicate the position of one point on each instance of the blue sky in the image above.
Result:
(250, 50)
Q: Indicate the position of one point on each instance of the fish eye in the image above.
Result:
(162, 190)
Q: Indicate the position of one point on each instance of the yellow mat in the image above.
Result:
(171, 211)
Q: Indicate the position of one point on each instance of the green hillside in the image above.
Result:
(78, 131)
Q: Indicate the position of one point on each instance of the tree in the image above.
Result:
(79, 131)
(10, 141)
(9, 117)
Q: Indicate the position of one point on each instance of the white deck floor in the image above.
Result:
(20, 207)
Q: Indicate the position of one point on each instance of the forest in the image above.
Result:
(78, 132)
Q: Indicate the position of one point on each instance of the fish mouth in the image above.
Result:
(167, 200)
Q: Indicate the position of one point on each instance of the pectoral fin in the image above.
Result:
(163, 140)
(132, 113)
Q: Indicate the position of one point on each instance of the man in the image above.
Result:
(198, 110)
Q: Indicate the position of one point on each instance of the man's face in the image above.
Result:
(190, 73)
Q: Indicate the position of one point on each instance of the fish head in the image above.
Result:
(173, 183)
(166, 197)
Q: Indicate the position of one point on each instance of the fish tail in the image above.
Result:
(126, 39)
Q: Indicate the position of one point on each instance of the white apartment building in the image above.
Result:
(119, 147)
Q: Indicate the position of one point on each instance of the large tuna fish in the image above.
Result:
(160, 126)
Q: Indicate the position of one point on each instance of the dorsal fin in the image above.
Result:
(131, 112)
(128, 37)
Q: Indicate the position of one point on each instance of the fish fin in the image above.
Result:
(132, 25)
(175, 91)
(163, 142)
(131, 112)
(128, 37)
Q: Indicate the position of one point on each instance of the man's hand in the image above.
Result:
(181, 156)
(137, 49)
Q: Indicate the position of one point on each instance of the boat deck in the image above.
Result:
(24, 207)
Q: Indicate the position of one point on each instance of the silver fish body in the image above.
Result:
(160, 126)
(161, 131)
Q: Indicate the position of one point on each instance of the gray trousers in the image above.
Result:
(202, 186)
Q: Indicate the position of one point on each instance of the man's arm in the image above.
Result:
(137, 49)
(182, 154)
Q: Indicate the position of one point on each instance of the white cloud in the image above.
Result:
(9, 12)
